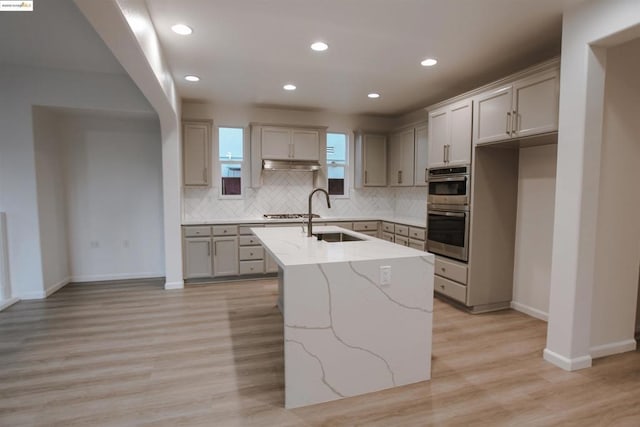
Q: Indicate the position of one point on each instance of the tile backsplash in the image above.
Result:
(287, 192)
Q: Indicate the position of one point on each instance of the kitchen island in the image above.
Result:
(357, 314)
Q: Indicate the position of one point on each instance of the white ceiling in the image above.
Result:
(245, 51)
(54, 35)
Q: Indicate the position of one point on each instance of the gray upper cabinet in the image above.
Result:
(526, 107)
(421, 155)
(371, 160)
(401, 158)
(196, 157)
(450, 135)
(281, 143)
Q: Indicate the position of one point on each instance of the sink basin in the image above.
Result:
(337, 237)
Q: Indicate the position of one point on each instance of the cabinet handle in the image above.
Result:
(425, 174)
(208, 248)
(215, 249)
(399, 177)
(444, 153)
(447, 151)
(508, 130)
(514, 116)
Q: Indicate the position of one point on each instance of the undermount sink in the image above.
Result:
(336, 237)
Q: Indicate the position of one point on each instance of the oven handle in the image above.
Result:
(448, 178)
(455, 214)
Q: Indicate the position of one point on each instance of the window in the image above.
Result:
(337, 149)
(230, 155)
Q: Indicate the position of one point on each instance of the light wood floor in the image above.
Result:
(211, 355)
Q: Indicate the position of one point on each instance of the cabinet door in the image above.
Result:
(225, 256)
(306, 144)
(270, 265)
(276, 143)
(421, 156)
(195, 154)
(375, 160)
(493, 118)
(407, 147)
(197, 258)
(395, 158)
(536, 104)
(438, 137)
(459, 150)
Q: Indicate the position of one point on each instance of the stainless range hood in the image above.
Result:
(291, 165)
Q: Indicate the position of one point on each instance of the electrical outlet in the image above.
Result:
(385, 275)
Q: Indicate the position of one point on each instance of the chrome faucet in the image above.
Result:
(309, 231)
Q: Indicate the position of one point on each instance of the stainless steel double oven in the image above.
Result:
(448, 212)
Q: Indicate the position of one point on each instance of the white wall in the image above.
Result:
(21, 88)
(113, 180)
(51, 199)
(618, 230)
(534, 230)
(585, 27)
(288, 191)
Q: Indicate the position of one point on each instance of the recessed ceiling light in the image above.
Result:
(182, 29)
(429, 62)
(192, 78)
(289, 87)
(319, 46)
(374, 95)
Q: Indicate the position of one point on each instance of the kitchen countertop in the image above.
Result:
(290, 246)
(415, 222)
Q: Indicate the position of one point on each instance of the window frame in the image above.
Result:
(346, 165)
(219, 163)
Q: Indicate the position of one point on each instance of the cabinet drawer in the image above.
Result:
(365, 226)
(417, 233)
(416, 244)
(402, 230)
(451, 270)
(387, 226)
(251, 267)
(451, 289)
(387, 236)
(251, 252)
(246, 229)
(370, 233)
(249, 241)
(401, 240)
(225, 230)
(197, 231)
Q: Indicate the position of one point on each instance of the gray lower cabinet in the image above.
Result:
(197, 259)
(225, 256)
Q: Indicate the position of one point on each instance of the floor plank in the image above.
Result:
(133, 354)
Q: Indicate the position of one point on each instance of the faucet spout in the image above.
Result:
(309, 224)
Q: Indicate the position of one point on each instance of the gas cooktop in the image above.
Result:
(289, 216)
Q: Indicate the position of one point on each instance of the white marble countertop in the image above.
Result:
(290, 246)
(415, 222)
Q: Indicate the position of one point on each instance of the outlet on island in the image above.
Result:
(385, 275)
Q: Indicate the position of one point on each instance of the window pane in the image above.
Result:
(230, 143)
(336, 147)
(231, 179)
(336, 180)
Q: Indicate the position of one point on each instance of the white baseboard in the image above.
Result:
(8, 303)
(174, 285)
(51, 289)
(613, 348)
(109, 277)
(530, 311)
(566, 363)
